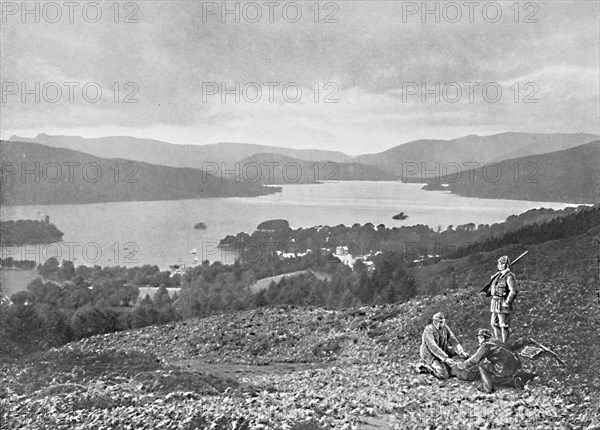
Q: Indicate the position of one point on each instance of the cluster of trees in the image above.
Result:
(218, 288)
(387, 284)
(8, 263)
(71, 303)
(575, 221)
(146, 275)
(414, 242)
(27, 231)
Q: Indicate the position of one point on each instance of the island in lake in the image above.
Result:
(200, 226)
(27, 231)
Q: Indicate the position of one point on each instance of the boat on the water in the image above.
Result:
(400, 216)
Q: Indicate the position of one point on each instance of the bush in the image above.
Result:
(89, 321)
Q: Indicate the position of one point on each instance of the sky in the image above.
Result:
(359, 76)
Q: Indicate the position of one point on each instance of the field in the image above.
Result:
(15, 280)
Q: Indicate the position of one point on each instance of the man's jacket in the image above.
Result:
(438, 344)
(505, 287)
(495, 356)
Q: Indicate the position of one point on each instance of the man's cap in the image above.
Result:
(439, 316)
(504, 260)
(484, 333)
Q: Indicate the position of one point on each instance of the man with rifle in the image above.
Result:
(503, 289)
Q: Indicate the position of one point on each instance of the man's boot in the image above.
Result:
(505, 335)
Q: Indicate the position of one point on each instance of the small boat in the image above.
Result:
(193, 251)
(400, 216)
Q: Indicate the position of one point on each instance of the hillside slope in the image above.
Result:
(570, 176)
(63, 176)
(416, 161)
(354, 367)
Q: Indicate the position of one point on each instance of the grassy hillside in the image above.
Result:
(574, 257)
(90, 179)
(311, 368)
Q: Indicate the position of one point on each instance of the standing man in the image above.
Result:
(438, 346)
(497, 364)
(503, 292)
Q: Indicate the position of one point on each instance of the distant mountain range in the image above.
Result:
(35, 174)
(571, 175)
(420, 160)
(169, 154)
(279, 169)
(412, 162)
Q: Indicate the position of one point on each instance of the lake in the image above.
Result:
(161, 232)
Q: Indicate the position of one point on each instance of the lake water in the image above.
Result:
(162, 233)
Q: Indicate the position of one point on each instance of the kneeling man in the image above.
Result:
(438, 346)
(497, 364)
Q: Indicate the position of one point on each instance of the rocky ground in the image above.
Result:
(307, 368)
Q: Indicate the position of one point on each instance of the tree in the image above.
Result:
(76, 295)
(22, 298)
(127, 294)
(145, 314)
(260, 299)
(346, 300)
(66, 272)
(359, 267)
(24, 328)
(161, 297)
(57, 330)
(49, 269)
(45, 292)
(89, 321)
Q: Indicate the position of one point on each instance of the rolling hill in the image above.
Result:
(64, 176)
(571, 175)
(315, 368)
(168, 154)
(416, 161)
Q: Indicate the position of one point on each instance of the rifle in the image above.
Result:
(549, 351)
(496, 275)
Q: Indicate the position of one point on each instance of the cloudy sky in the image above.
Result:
(362, 78)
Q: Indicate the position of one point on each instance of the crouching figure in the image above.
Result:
(438, 347)
(497, 364)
